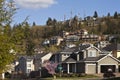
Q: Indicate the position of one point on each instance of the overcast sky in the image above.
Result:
(39, 10)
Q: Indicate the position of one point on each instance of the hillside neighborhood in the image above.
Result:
(68, 45)
(91, 56)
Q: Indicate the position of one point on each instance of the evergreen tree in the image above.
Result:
(108, 15)
(34, 24)
(49, 22)
(116, 15)
(95, 14)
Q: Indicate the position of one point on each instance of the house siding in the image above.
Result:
(108, 61)
(22, 65)
(118, 54)
(85, 54)
(64, 56)
(93, 49)
(46, 57)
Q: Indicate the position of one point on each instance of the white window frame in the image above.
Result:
(92, 53)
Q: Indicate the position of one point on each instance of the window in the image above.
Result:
(68, 54)
(28, 70)
(29, 65)
(91, 53)
(64, 54)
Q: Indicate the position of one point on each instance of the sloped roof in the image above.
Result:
(86, 47)
(94, 59)
(69, 50)
(112, 47)
(27, 58)
(83, 47)
(97, 59)
(111, 57)
(40, 55)
(69, 60)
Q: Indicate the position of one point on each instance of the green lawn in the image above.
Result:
(71, 78)
(91, 77)
(118, 78)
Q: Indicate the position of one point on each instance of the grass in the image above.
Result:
(70, 78)
(117, 78)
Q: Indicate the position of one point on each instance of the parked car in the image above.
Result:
(109, 74)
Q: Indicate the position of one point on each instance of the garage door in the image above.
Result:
(91, 69)
(104, 68)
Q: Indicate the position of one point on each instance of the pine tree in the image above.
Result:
(95, 14)
(116, 15)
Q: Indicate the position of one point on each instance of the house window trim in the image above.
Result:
(92, 53)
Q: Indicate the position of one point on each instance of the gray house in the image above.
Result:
(27, 64)
(87, 59)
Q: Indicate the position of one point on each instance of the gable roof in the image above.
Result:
(112, 47)
(97, 59)
(85, 47)
(40, 55)
(69, 60)
(27, 58)
(92, 59)
(94, 47)
(109, 56)
(68, 50)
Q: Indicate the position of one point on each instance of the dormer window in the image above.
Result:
(66, 54)
(92, 53)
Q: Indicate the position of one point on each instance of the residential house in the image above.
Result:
(64, 34)
(11, 67)
(72, 38)
(114, 48)
(40, 58)
(90, 37)
(101, 44)
(81, 35)
(46, 42)
(87, 59)
(56, 40)
(82, 32)
(27, 64)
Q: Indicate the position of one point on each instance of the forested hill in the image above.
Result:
(27, 37)
(94, 24)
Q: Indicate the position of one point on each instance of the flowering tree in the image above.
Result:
(51, 66)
